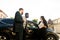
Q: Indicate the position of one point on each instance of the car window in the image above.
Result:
(31, 25)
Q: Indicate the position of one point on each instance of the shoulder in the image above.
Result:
(24, 18)
(17, 13)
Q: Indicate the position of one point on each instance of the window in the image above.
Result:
(32, 25)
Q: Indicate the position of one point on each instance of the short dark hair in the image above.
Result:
(20, 9)
(26, 13)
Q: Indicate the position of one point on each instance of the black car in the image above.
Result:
(30, 31)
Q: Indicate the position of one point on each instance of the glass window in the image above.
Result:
(31, 25)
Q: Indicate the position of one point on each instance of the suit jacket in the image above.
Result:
(18, 24)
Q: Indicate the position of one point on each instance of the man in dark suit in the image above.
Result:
(18, 25)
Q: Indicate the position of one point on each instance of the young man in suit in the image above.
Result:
(18, 25)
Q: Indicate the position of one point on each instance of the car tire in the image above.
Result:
(51, 37)
(4, 36)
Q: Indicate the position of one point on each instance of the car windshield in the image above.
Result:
(32, 25)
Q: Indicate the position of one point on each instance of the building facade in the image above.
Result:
(2, 14)
(57, 25)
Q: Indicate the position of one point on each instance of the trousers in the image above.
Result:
(19, 36)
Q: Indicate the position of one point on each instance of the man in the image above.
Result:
(18, 25)
(25, 24)
(50, 24)
(25, 19)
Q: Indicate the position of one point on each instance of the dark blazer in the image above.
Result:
(18, 24)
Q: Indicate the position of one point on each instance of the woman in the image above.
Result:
(42, 27)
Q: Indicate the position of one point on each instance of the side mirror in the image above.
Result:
(27, 15)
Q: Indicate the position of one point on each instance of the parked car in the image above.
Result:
(30, 31)
(6, 28)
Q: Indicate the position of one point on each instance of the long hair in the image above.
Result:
(44, 21)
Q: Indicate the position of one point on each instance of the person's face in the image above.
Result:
(41, 19)
(21, 12)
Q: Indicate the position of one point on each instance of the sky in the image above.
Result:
(36, 8)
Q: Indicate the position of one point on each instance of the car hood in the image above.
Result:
(6, 22)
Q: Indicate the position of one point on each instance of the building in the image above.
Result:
(56, 23)
(2, 14)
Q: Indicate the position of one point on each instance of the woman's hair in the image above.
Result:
(44, 21)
